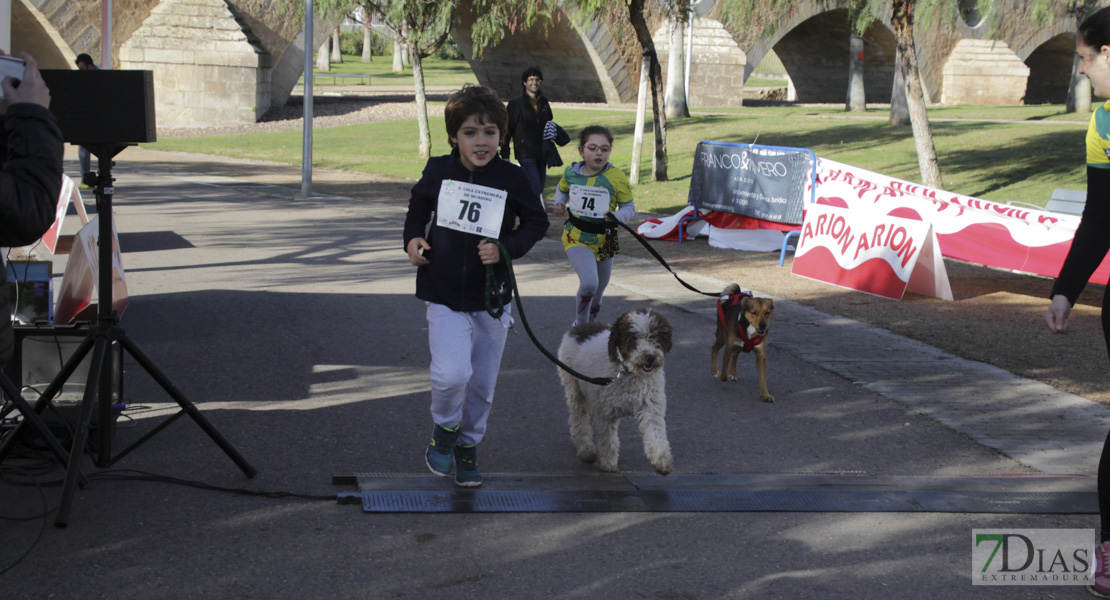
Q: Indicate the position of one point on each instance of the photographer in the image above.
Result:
(30, 172)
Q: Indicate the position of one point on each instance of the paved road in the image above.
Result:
(291, 324)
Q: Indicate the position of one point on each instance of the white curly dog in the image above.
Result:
(632, 352)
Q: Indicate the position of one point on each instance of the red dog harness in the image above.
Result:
(723, 306)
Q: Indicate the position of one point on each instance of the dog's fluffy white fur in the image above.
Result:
(631, 351)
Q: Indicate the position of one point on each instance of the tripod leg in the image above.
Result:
(33, 417)
(48, 394)
(185, 405)
(88, 402)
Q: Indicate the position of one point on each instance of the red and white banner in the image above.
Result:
(966, 228)
(82, 275)
(870, 252)
(725, 230)
(969, 229)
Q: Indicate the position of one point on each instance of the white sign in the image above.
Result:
(970, 229)
(870, 252)
(588, 201)
(471, 208)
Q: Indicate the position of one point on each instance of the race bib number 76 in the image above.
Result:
(471, 208)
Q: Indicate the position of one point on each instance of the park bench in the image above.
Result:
(1069, 202)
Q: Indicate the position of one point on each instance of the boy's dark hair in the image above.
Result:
(84, 58)
(594, 130)
(1094, 31)
(475, 100)
(531, 72)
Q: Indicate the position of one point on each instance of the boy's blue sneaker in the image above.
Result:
(466, 466)
(439, 456)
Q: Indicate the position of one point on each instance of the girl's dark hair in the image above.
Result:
(474, 100)
(594, 130)
(1094, 31)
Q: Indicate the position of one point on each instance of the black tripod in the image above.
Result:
(98, 386)
(29, 415)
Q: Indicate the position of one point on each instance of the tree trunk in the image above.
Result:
(421, 102)
(899, 110)
(367, 43)
(398, 63)
(639, 24)
(857, 97)
(638, 133)
(406, 56)
(336, 49)
(322, 62)
(676, 105)
(902, 20)
(1079, 93)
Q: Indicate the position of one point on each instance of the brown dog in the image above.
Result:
(742, 322)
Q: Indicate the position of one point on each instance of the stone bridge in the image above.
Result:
(960, 63)
(228, 61)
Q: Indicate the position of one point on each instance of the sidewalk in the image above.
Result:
(291, 324)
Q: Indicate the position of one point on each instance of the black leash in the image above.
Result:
(642, 241)
(496, 308)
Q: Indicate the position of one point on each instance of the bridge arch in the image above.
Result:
(815, 54)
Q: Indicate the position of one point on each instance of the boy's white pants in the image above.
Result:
(466, 357)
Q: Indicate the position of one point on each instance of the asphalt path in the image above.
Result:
(292, 326)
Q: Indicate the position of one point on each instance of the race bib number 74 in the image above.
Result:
(588, 201)
(471, 208)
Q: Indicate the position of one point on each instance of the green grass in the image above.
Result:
(764, 82)
(380, 70)
(1041, 149)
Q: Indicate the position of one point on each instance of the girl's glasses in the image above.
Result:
(593, 148)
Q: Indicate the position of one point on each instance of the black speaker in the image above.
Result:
(103, 106)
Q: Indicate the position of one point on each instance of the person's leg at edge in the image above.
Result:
(584, 262)
(1100, 564)
(532, 172)
(1104, 458)
(487, 347)
(83, 157)
(1099, 584)
(604, 272)
(541, 175)
(449, 334)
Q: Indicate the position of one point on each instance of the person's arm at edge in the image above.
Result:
(1088, 249)
(32, 150)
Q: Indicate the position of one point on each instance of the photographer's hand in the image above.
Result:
(31, 88)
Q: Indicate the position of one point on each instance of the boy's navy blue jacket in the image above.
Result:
(455, 276)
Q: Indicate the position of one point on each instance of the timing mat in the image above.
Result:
(649, 492)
